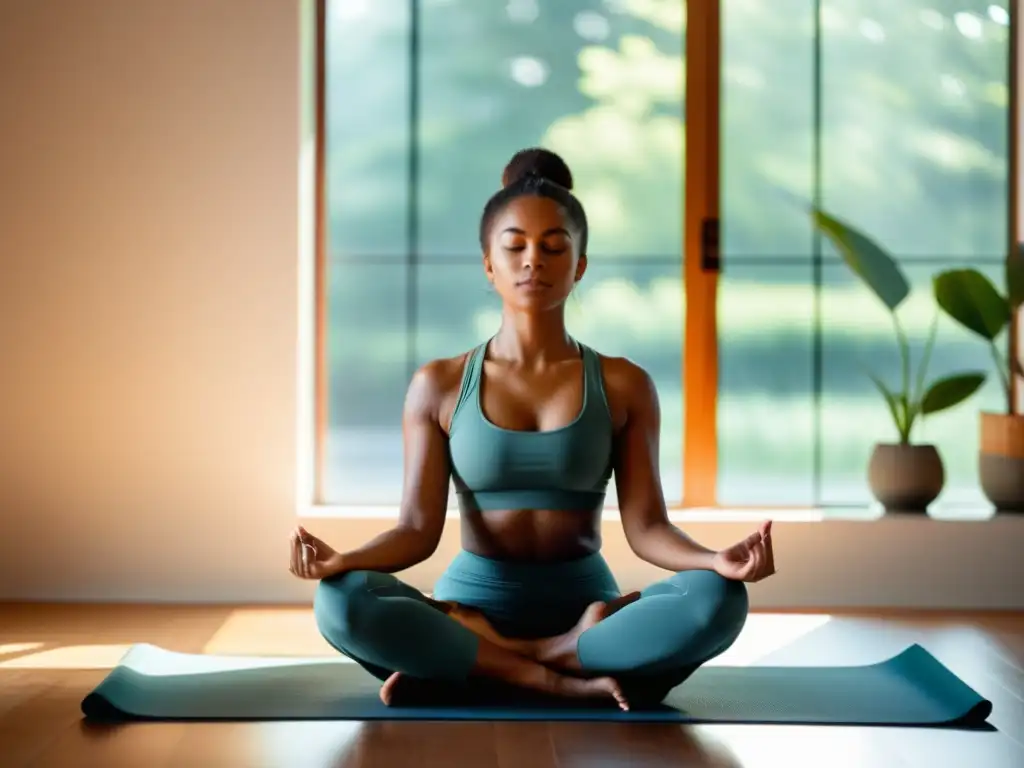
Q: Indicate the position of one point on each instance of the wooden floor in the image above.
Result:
(52, 655)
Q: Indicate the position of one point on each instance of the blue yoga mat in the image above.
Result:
(911, 689)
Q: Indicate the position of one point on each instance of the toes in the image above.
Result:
(615, 690)
(620, 697)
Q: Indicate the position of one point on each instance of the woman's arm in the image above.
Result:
(426, 479)
(642, 506)
(642, 502)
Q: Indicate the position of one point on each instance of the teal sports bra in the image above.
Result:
(562, 469)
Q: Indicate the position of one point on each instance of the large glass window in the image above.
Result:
(891, 115)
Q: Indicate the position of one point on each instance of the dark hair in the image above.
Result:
(540, 173)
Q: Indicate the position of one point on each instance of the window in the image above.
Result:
(892, 115)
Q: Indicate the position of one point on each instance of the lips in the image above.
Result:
(533, 283)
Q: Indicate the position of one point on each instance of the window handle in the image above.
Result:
(710, 256)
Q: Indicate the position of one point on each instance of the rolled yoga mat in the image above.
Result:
(911, 689)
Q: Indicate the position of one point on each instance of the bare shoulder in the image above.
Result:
(629, 387)
(622, 374)
(434, 388)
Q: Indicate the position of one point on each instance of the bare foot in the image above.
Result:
(561, 685)
(403, 691)
(387, 691)
(594, 688)
(560, 651)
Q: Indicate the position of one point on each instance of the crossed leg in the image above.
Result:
(634, 649)
(649, 641)
(389, 627)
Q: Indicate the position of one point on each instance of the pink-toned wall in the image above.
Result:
(152, 235)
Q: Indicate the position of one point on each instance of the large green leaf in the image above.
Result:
(866, 259)
(953, 390)
(969, 297)
(1015, 276)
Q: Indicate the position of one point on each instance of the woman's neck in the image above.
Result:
(532, 339)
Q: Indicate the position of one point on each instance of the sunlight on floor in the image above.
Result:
(265, 634)
(766, 633)
(269, 632)
(69, 657)
(794, 746)
(314, 743)
(9, 648)
(159, 661)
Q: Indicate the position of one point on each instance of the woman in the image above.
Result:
(531, 426)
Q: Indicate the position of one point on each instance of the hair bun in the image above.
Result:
(537, 162)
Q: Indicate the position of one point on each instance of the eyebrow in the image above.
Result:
(552, 231)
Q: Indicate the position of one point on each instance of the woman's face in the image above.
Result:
(532, 255)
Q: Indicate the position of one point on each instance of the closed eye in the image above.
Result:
(544, 248)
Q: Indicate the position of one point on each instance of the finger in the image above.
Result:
(765, 563)
(741, 549)
(297, 555)
(309, 544)
(748, 571)
(766, 528)
(742, 559)
(308, 561)
(310, 539)
(316, 570)
(757, 556)
(294, 552)
(769, 556)
(319, 569)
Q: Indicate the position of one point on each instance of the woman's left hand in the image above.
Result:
(751, 559)
(310, 557)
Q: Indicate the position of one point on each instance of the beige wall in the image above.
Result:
(149, 329)
(148, 296)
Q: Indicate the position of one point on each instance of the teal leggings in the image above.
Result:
(650, 646)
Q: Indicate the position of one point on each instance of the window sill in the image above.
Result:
(710, 515)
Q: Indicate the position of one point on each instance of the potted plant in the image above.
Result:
(970, 298)
(903, 476)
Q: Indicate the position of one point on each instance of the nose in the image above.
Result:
(533, 258)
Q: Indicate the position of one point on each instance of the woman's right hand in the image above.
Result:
(311, 558)
(752, 559)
